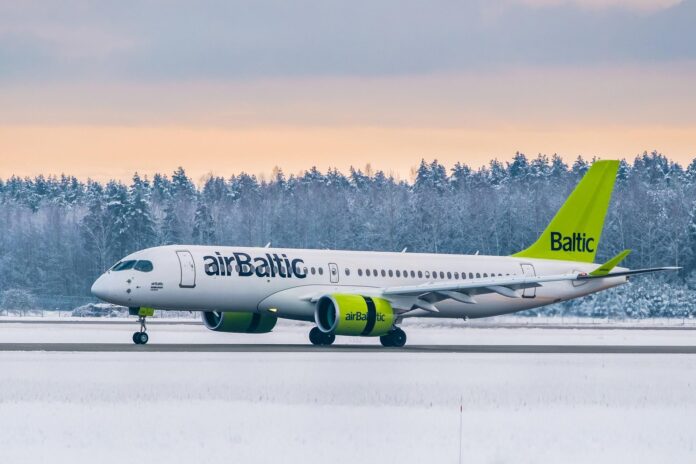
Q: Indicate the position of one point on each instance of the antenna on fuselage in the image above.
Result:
(268, 245)
(404, 250)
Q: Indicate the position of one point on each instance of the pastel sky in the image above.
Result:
(103, 89)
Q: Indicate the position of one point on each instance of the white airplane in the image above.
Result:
(365, 293)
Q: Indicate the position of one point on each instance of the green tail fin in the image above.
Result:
(575, 230)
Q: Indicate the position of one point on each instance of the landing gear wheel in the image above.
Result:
(317, 337)
(395, 338)
(329, 338)
(140, 338)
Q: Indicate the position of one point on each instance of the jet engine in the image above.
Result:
(242, 322)
(344, 314)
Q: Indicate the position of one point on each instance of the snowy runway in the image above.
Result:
(358, 406)
(305, 348)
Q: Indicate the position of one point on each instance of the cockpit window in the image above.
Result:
(143, 266)
(123, 265)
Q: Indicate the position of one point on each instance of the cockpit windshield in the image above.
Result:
(143, 266)
(123, 265)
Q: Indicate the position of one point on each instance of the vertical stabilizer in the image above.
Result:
(574, 232)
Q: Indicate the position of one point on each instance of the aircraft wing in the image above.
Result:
(465, 291)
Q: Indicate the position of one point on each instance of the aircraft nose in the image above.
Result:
(100, 288)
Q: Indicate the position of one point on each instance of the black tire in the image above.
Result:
(386, 340)
(136, 338)
(144, 338)
(399, 338)
(395, 338)
(329, 338)
(316, 336)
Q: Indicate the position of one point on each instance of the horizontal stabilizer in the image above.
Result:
(628, 273)
(605, 268)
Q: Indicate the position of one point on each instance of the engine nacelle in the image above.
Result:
(241, 322)
(344, 314)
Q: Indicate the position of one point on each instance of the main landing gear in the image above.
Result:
(317, 337)
(141, 338)
(395, 338)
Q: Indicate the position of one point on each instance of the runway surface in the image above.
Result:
(292, 348)
(471, 324)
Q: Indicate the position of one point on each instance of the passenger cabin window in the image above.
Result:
(420, 274)
(321, 271)
(478, 275)
(143, 266)
(391, 273)
(456, 275)
(442, 275)
(398, 273)
(347, 271)
(360, 272)
(124, 265)
(383, 273)
(367, 272)
(314, 271)
(471, 275)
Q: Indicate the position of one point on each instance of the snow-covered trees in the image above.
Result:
(57, 233)
(15, 298)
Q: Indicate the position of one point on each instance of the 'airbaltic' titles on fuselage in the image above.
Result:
(574, 242)
(243, 265)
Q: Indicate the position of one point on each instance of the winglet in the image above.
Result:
(605, 268)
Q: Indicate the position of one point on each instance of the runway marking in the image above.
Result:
(268, 348)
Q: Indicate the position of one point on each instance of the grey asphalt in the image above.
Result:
(268, 348)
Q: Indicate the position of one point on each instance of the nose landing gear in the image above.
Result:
(141, 337)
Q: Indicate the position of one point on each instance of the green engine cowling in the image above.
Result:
(241, 322)
(344, 314)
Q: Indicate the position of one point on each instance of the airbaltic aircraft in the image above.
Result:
(365, 293)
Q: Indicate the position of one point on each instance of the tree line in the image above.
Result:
(57, 234)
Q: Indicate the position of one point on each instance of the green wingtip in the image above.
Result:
(574, 232)
(605, 268)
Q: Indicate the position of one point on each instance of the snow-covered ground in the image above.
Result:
(344, 407)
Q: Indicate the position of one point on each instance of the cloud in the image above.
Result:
(639, 5)
(179, 41)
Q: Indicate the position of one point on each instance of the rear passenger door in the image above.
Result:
(528, 270)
